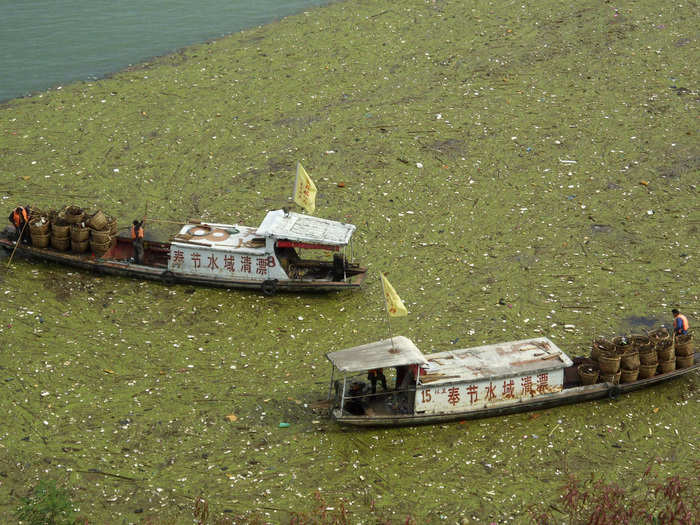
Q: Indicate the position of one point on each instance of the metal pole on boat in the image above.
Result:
(330, 387)
(342, 396)
(19, 240)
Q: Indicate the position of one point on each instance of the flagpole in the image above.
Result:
(386, 309)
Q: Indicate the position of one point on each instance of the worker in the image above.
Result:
(375, 375)
(680, 323)
(137, 240)
(19, 217)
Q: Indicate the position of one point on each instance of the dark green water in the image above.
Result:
(45, 43)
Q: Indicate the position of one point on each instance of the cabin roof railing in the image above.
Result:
(305, 228)
(396, 351)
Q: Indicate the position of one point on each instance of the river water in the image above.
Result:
(44, 43)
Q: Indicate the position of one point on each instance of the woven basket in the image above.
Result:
(646, 371)
(684, 345)
(79, 246)
(665, 350)
(40, 240)
(99, 248)
(588, 374)
(73, 215)
(648, 357)
(60, 243)
(39, 225)
(628, 376)
(112, 226)
(665, 367)
(60, 229)
(609, 364)
(630, 360)
(99, 236)
(97, 221)
(610, 378)
(638, 341)
(79, 233)
(685, 361)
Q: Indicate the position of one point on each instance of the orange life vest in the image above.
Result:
(18, 215)
(684, 320)
(136, 233)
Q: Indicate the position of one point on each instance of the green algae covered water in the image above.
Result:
(47, 43)
(519, 169)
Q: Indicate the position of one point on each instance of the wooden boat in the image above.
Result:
(485, 381)
(266, 258)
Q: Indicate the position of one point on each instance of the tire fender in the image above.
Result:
(269, 287)
(614, 392)
(168, 277)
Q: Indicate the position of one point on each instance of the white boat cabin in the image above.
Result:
(224, 251)
(454, 381)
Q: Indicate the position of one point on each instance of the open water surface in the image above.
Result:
(45, 43)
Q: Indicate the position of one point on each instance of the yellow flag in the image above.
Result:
(304, 190)
(394, 304)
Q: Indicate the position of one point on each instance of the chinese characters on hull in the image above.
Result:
(210, 262)
(484, 392)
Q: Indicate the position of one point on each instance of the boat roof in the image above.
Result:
(305, 228)
(513, 358)
(396, 351)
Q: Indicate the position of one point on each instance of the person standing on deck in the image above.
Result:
(137, 240)
(19, 217)
(680, 323)
(377, 375)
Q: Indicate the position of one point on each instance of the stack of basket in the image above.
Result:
(39, 228)
(100, 233)
(609, 364)
(685, 355)
(60, 233)
(665, 353)
(78, 231)
(647, 357)
(629, 364)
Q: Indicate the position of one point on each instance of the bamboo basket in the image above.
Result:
(639, 341)
(100, 236)
(628, 376)
(99, 248)
(684, 345)
(112, 223)
(610, 378)
(39, 225)
(609, 364)
(648, 357)
(79, 246)
(646, 371)
(60, 243)
(97, 221)
(79, 233)
(667, 366)
(40, 240)
(685, 361)
(588, 374)
(60, 229)
(630, 360)
(73, 214)
(599, 346)
(664, 350)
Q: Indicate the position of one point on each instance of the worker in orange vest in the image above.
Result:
(680, 323)
(20, 220)
(137, 240)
